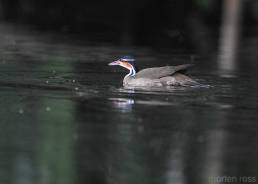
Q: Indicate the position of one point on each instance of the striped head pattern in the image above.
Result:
(126, 62)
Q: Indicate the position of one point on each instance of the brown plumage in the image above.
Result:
(156, 76)
(159, 72)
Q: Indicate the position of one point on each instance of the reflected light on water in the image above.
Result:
(229, 35)
(214, 155)
(124, 104)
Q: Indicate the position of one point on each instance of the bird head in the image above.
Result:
(126, 62)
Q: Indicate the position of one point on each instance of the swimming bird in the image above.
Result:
(153, 77)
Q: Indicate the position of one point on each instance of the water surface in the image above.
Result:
(65, 117)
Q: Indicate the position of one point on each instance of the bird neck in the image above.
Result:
(131, 73)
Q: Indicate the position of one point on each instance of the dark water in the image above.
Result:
(65, 118)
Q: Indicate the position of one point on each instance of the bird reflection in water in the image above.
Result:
(123, 104)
